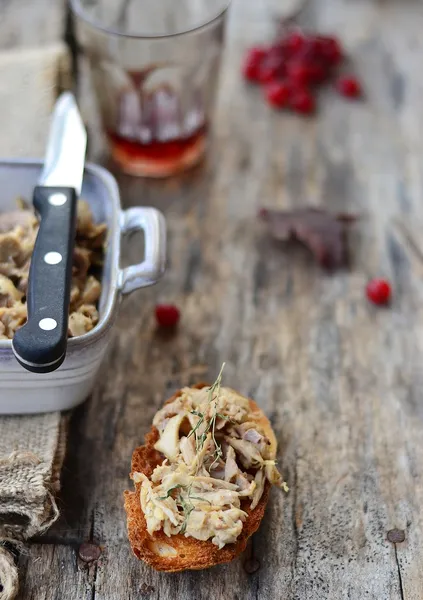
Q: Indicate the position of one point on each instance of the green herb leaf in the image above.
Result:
(186, 509)
(170, 490)
(194, 429)
(185, 523)
(199, 498)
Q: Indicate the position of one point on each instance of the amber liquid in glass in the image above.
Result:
(154, 135)
(157, 158)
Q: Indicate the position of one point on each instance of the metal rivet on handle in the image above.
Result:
(53, 258)
(57, 199)
(47, 324)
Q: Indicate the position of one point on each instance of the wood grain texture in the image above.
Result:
(340, 379)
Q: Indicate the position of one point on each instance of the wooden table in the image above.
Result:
(341, 380)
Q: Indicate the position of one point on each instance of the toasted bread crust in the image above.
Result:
(179, 553)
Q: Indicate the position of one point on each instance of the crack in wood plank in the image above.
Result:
(293, 490)
(401, 587)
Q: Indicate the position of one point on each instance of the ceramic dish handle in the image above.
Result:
(152, 223)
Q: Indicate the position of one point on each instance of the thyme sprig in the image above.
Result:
(213, 394)
(187, 508)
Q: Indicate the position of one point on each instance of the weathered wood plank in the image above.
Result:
(55, 572)
(340, 380)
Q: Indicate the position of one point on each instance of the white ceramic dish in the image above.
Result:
(25, 392)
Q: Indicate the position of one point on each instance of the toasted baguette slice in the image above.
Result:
(179, 553)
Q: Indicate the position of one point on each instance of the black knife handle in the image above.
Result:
(40, 345)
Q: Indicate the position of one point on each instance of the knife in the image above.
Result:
(40, 345)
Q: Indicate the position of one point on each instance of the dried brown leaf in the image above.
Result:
(324, 233)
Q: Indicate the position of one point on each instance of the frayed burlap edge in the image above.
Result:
(8, 575)
(30, 517)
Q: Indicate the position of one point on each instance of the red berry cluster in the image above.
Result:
(294, 67)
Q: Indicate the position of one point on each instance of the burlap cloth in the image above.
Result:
(31, 447)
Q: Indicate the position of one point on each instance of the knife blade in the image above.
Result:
(40, 345)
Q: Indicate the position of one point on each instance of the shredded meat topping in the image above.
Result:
(217, 461)
(18, 232)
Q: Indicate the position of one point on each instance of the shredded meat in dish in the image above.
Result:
(18, 232)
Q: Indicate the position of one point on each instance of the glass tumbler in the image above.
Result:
(154, 67)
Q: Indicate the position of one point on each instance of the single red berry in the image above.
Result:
(378, 291)
(329, 48)
(270, 70)
(321, 46)
(302, 101)
(277, 94)
(294, 42)
(167, 315)
(250, 70)
(313, 48)
(251, 66)
(257, 53)
(349, 87)
(317, 72)
(276, 51)
(299, 73)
